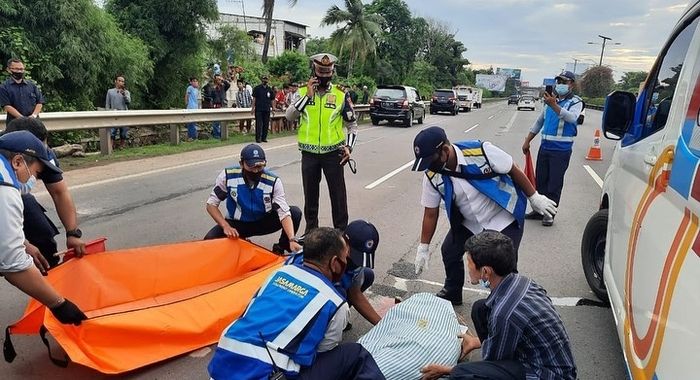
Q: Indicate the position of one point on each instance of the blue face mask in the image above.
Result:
(484, 284)
(26, 188)
(562, 88)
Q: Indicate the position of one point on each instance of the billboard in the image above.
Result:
(511, 73)
(491, 82)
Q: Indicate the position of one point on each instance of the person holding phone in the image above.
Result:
(558, 124)
(324, 110)
(118, 98)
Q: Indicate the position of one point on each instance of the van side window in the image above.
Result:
(662, 83)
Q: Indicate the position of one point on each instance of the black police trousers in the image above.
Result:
(268, 224)
(312, 165)
(39, 229)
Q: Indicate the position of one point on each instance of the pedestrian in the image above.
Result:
(19, 97)
(293, 326)
(255, 203)
(243, 100)
(365, 95)
(22, 158)
(118, 98)
(292, 97)
(262, 105)
(39, 230)
(352, 91)
(192, 103)
(558, 123)
(520, 333)
(481, 188)
(216, 96)
(279, 105)
(323, 111)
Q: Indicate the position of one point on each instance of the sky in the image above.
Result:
(538, 36)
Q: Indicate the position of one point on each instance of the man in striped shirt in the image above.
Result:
(243, 100)
(520, 334)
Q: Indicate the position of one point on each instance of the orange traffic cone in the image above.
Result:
(594, 152)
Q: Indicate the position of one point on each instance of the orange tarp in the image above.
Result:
(148, 304)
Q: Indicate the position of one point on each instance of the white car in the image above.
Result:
(526, 101)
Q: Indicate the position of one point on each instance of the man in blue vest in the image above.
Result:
(255, 203)
(293, 327)
(558, 123)
(482, 190)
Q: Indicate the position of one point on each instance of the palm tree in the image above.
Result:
(268, 7)
(357, 34)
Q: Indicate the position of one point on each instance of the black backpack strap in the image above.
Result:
(8, 349)
(63, 363)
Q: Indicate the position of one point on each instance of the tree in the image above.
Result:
(268, 8)
(290, 66)
(174, 31)
(231, 44)
(444, 53)
(356, 36)
(597, 82)
(317, 45)
(631, 80)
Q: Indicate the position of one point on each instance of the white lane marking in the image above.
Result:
(595, 176)
(402, 284)
(386, 177)
(510, 122)
(474, 126)
(491, 117)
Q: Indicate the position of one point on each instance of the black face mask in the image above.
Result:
(324, 81)
(437, 165)
(17, 75)
(252, 177)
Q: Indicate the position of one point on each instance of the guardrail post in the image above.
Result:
(105, 141)
(174, 134)
(224, 130)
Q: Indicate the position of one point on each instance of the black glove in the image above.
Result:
(67, 312)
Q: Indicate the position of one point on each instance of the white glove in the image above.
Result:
(422, 257)
(543, 205)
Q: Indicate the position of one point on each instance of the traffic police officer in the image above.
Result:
(482, 190)
(293, 326)
(324, 110)
(558, 123)
(255, 203)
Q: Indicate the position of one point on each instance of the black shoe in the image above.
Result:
(547, 221)
(455, 299)
(276, 249)
(257, 141)
(534, 215)
(264, 141)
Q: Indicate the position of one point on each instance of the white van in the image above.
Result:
(641, 251)
(478, 93)
(465, 97)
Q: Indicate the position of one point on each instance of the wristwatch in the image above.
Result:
(74, 233)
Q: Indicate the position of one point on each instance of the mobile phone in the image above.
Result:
(549, 89)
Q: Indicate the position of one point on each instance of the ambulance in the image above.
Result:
(641, 250)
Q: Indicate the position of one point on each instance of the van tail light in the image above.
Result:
(371, 102)
(404, 104)
(453, 99)
(434, 98)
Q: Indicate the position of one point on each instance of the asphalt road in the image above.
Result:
(161, 200)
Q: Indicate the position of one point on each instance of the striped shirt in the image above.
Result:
(244, 99)
(523, 325)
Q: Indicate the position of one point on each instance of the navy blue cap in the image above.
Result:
(253, 155)
(26, 143)
(426, 145)
(568, 75)
(363, 238)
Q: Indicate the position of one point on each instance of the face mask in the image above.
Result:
(251, 176)
(26, 188)
(562, 89)
(655, 97)
(336, 276)
(438, 165)
(17, 75)
(486, 284)
(324, 81)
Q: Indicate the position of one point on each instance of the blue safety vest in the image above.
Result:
(286, 320)
(245, 203)
(498, 187)
(556, 133)
(7, 174)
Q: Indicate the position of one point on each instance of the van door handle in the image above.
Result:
(650, 159)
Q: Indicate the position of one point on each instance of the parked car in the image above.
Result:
(526, 101)
(513, 99)
(465, 96)
(396, 103)
(444, 100)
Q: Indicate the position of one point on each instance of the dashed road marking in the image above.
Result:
(491, 117)
(386, 177)
(474, 126)
(595, 175)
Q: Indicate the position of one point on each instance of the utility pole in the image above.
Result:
(602, 50)
(575, 62)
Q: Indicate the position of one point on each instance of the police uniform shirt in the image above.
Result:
(278, 196)
(13, 256)
(478, 210)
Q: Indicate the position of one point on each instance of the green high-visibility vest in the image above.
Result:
(321, 122)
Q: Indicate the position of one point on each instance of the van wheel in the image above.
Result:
(375, 121)
(593, 253)
(408, 122)
(420, 119)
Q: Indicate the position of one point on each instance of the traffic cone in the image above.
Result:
(594, 152)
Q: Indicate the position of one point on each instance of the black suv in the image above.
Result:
(444, 100)
(513, 99)
(396, 103)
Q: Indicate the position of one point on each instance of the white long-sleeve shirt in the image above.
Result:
(13, 256)
(278, 196)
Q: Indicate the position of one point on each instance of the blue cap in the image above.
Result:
(426, 145)
(568, 75)
(253, 155)
(363, 238)
(26, 143)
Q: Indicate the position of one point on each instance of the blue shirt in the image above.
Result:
(23, 96)
(523, 325)
(192, 98)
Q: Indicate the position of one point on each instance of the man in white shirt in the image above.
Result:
(482, 190)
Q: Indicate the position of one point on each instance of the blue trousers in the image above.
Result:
(491, 370)
(348, 361)
(549, 172)
(216, 129)
(39, 229)
(192, 130)
(123, 131)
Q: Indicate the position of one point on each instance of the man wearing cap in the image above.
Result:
(255, 203)
(324, 110)
(482, 190)
(22, 158)
(558, 125)
(262, 105)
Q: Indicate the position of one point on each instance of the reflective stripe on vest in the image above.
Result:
(321, 122)
(499, 189)
(246, 204)
(556, 133)
(7, 174)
